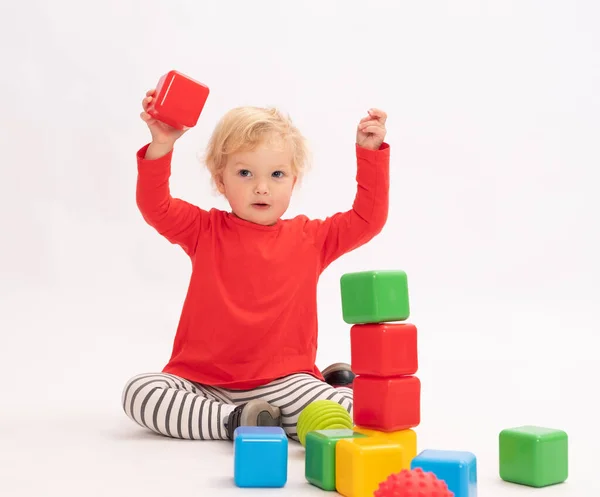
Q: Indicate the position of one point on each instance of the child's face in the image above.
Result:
(258, 184)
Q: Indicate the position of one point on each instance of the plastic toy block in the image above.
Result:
(374, 297)
(320, 456)
(406, 438)
(178, 100)
(534, 456)
(387, 404)
(413, 483)
(384, 349)
(260, 456)
(362, 463)
(457, 468)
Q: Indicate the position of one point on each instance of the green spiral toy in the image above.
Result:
(323, 415)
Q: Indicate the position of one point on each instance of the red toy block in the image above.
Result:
(387, 404)
(178, 101)
(384, 349)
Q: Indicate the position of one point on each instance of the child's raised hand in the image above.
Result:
(371, 129)
(162, 133)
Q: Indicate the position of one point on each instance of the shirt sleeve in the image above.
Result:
(346, 231)
(177, 220)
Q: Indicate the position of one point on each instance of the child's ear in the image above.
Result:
(219, 183)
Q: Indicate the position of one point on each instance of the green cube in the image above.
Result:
(533, 456)
(374, 297)
(320, 455)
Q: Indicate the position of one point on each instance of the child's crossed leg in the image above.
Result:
(175, 407)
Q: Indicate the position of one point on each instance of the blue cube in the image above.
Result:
(260, 456)
(458, 469)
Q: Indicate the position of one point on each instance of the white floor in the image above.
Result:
(62, 433)
(91, 455)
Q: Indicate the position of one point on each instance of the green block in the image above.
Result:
(320, 456)
(374, 297)
(533, 456)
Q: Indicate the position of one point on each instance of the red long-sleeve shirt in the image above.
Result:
(250, 313)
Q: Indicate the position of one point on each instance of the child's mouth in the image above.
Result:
(261, 206)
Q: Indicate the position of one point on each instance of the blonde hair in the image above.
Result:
(244, 128)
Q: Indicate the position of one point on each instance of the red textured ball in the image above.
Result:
(413, 483)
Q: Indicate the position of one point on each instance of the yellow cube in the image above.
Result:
(406, 438)
(361, 464)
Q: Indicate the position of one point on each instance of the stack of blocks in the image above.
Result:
(386, 392)
(387, 399)
(387, 395)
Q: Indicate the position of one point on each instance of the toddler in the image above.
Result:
(245, 347)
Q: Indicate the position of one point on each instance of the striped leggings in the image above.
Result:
(178, 408)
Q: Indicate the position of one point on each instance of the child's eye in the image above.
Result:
(244, 172)
(278, 174)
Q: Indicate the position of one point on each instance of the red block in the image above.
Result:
(178, 101)
(387, 404)
(384, 349)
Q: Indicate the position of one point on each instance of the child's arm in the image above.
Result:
(346, 231)
(178, 221)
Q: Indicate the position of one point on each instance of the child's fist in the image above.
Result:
(161, 133)
(371, 129)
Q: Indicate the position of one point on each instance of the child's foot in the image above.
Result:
(254, 413)
(339, 375)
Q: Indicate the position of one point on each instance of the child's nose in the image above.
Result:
(262, 189)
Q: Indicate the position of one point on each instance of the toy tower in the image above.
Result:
(387, 394)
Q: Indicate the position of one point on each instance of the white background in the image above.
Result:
(493, 122)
